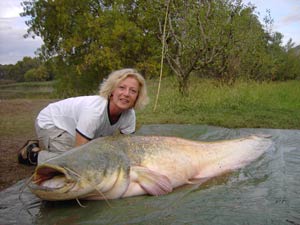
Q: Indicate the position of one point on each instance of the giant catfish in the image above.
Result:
(124, 166)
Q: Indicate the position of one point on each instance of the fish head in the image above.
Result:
(87, 172)
(53, 182)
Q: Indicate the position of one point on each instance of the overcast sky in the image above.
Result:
(13, 47)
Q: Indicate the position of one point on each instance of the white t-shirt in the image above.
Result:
(86, 114)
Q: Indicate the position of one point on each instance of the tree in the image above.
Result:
(90, 38)
(85, 40)
(208, 37)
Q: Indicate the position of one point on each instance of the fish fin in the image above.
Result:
(152, 182)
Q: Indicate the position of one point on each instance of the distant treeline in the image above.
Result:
(85, 40)
(28, 69)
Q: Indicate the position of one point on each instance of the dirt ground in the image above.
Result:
(10, 171)
(16, 127)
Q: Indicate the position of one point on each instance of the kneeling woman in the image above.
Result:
(75, 121)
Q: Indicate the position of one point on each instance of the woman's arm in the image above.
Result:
(80, 140)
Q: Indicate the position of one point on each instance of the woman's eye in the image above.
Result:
(133, 91)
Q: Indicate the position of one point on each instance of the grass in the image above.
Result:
(26, 90)
(245, 104)
(20, 104)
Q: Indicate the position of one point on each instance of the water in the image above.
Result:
(265, 192)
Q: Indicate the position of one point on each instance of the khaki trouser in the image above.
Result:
(53, 142)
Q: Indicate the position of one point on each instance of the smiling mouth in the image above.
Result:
(125, 101)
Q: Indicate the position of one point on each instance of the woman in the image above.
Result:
(75, 121)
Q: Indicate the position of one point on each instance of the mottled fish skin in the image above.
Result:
(124, 166)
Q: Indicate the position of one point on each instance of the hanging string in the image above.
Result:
(162, 55)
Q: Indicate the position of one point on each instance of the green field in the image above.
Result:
(26, 90)
(245, 104)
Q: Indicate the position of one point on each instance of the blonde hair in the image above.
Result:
(113, 79)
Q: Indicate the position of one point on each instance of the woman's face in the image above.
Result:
(125, 94)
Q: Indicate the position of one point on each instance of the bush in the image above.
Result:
(37, 74)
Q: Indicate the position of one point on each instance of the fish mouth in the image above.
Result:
(52, 178)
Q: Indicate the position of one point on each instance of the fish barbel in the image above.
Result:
(123, 166)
